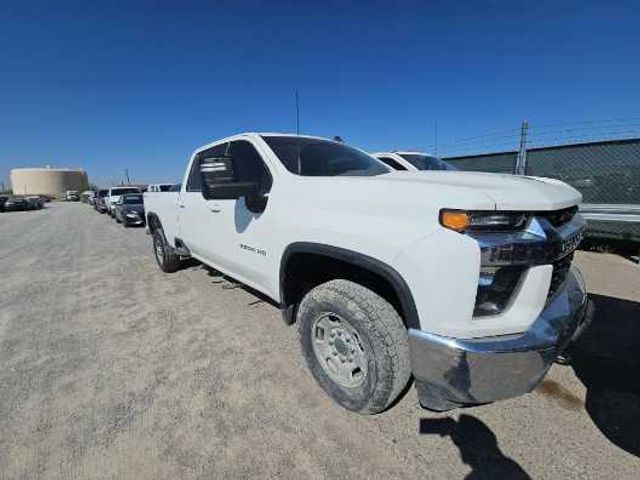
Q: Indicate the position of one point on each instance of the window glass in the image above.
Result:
(426, 162)
(316, 157)
(194, 183)
(165, 188)
(122, 191)
(131, 199)
(248, 165)
(392, 163)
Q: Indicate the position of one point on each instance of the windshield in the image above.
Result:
(426, 162)
(122, 191)
(132, 199)
(311, 157)
(103, 193)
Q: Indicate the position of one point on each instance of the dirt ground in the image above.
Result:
(110, 368)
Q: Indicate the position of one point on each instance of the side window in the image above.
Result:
(248, 165)
(392, 163)
(194, 183)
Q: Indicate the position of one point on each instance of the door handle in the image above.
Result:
(215, 208)
(181, 205)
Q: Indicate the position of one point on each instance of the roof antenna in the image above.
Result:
(297, 114)
(298, 133)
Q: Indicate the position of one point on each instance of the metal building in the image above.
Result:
(47, 181)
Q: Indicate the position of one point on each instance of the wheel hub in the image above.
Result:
(339, 350)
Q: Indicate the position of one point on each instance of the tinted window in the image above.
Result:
(122, 191)
(392, 163)
(132, 199)
(165, 188)
(426, 162)
(194, 184)
(322, 158)
(103, 193)
(248, 165)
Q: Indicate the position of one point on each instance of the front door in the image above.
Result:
(245, 244)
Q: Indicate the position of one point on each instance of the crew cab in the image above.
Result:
(460, 280)
(412, 161)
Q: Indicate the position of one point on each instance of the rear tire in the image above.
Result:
(166, 257)
(355, 345)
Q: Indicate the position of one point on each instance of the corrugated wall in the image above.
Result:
(604, 172)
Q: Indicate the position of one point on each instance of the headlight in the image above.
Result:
(484, 221)
(132, 214)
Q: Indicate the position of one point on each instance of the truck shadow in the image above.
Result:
(478, 447)
(606, 359)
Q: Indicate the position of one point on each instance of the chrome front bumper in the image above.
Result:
(453, 372)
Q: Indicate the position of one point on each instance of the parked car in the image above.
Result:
(99, 201)
(72, 196)
(3, 199)
(87, 196)
(114, 193)
(413, 161)
(16, 204)
(159, 187)
(35, 202)
(129, 210)
(462, 280)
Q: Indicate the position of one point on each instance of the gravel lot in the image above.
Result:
(109, 368)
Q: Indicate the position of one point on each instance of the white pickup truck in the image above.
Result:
(462, 280)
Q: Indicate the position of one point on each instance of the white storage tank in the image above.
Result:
(47, 181)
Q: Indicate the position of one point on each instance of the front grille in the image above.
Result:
(557, 218)
(560, 270)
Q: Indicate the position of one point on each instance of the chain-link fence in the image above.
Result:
(606, 173)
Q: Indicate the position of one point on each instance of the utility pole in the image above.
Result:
(521, 161)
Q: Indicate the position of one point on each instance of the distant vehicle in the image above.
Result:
(72, 196)
(114, 193)
(35, 202)
(129, 210)
(3, 199)
(413, 161)
(87, 196)
(160, 187)
(16, 204)
(99, 201)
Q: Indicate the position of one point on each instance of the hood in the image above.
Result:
(507, 192)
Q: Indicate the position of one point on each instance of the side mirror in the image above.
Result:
(218, 180)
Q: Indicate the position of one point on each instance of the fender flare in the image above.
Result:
(388, 273)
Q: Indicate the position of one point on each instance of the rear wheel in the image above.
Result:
(355, 344)
(166, 257)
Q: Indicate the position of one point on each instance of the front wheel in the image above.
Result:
(355, 345)
(166, 257)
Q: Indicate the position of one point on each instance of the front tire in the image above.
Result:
(166, 257)
(355, 345)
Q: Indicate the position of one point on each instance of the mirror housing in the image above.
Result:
(218, 180)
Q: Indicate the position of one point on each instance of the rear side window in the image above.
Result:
(392, 163)
(194, 183)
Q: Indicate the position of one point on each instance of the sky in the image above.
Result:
(139, 85)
